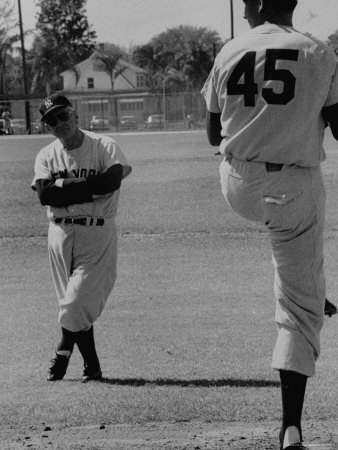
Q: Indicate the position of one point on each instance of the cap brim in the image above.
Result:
(53, 108)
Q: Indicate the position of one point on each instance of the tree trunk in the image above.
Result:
(2, 84)
(48, 88)
(34, 83)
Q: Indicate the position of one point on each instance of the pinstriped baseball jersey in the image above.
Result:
(97, 153)
(285, 78)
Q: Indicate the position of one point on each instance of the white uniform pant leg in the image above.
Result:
(299, 279)
(296, 234)
(92, 276)
(60, 251)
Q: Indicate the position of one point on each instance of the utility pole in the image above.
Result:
(165, 79)
(232, 18)
(214, 51)
(27, 108)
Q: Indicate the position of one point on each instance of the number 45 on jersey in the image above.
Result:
(249, 88)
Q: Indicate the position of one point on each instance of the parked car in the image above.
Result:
(99, 123)
(128, 123)
(18, 126)
(155, 121)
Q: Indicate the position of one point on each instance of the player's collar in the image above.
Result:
(269, 27)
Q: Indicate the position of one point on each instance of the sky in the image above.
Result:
(135, 22)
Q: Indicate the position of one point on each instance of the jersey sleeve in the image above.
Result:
(210, 94)
(332, 97)
(114, 155)
(41, 170)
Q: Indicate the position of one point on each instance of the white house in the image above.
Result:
(89, 84)
(90, 76)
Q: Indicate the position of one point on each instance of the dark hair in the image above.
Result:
(279, 5)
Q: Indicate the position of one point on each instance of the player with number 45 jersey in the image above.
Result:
(269, 96)
(270, 77)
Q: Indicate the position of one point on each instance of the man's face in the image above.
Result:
(252, 12)
(62, 123)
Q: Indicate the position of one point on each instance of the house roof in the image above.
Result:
(95, 55)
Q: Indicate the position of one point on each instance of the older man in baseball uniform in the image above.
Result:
(269, 95)
(78, 176)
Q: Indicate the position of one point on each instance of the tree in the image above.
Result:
(144, 56)
(64, 38)
(110, 56)
(14, 74)
(44, 67)
(7, 39)
(333, 42)
(187, 50)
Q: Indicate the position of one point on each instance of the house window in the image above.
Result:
(98, 107)
(90, 83)
(140, 80)
(131, 105)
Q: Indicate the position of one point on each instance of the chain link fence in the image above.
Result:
(114, 113)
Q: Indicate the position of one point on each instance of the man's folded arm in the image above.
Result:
(70, 191)
(69, 194)
(107, 181)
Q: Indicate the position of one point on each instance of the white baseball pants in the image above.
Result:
(291, 204)
(83, 264)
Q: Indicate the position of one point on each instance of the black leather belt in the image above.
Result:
(270, 167)
(273, 167)
(90, 221)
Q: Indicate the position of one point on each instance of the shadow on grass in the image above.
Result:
(136, 382)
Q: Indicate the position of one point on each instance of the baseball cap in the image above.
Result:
(52, 103)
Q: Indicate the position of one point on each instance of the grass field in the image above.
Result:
(186, 338)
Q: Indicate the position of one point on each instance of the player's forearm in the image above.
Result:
(106, 182)
(214, 128)
(70, 193)
(330, 115)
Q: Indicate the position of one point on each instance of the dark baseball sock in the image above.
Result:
(67, 341)
(293, 387)
(86, 344)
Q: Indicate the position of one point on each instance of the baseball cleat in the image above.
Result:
(58, 368)
(330, 308)
(91, 374)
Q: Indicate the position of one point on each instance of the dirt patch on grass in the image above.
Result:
(169, 436)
